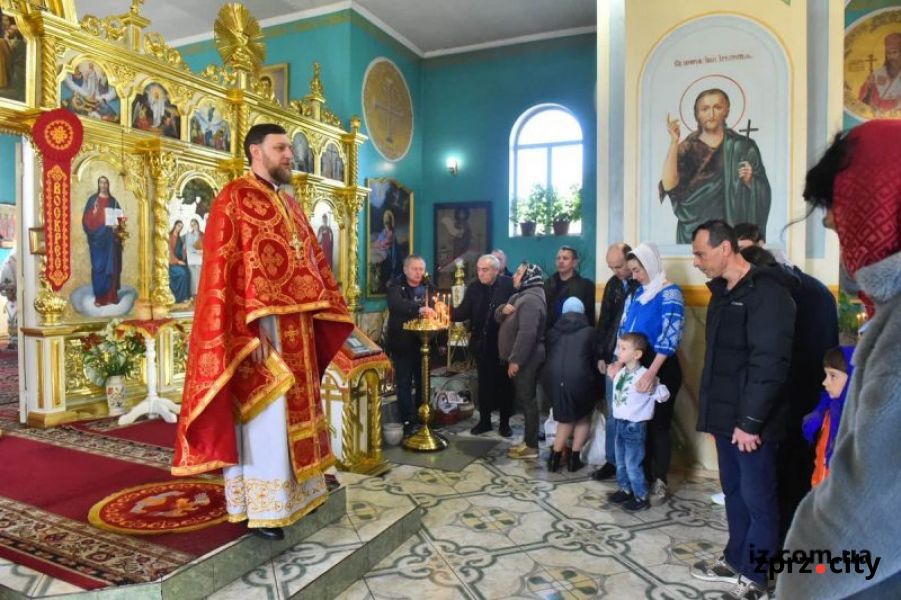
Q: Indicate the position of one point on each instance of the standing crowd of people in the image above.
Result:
(776, 393)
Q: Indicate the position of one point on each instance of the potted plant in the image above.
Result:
(109, 358)
(565, 209)
(533, 212)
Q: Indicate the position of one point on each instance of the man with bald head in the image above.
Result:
(618, 288)
(501, 256)
(489, 290)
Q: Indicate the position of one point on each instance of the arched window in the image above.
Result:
(545, 151)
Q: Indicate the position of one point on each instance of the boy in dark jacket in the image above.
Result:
(750, 327)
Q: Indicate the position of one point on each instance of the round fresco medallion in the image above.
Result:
(873, 66)
(387, 109)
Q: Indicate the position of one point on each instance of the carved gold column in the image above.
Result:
(353, 203)
(374, 398)
(350, 427)
(49, 89)
(162, 170)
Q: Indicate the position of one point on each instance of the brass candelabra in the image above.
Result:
(425, 440)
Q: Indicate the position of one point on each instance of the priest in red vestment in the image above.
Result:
(268, 319)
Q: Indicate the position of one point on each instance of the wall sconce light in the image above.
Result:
(452, 166)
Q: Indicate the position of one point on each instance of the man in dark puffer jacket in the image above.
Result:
(750, 327)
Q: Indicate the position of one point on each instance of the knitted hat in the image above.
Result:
(531, 277)
(573, 304)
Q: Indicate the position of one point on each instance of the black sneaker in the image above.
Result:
(746, 589)
(608, 471)
(636, 504)
(504, 430)
(713, 570)
(619, 497)
(479, 429)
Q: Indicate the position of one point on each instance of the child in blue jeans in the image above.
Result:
(632, 410)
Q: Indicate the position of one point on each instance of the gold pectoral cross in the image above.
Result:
(296, 244)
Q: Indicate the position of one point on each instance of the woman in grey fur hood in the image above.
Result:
(852, 517)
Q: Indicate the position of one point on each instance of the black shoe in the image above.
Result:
(331, 482)
(553, 461)
(608, 471)
(273, 534)
(541, 436)
(409, 428)
(504, 430)
(480, 428)
(636, 504)
(620, 497)
(575, 462)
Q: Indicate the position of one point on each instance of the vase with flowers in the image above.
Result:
(111, 356)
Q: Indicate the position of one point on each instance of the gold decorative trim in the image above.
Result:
(696, 295)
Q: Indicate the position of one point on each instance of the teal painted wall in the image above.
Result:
(367, 43)
(471, 104)
(325, 39)
(463, 104)
(8, 168)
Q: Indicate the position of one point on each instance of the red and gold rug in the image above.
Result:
(164, 507)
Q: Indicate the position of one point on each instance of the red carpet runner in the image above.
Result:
(50, 479)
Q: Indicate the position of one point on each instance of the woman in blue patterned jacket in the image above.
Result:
(657, 310)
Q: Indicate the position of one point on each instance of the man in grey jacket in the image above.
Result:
(521, 345)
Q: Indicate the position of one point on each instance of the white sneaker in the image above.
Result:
(719, 499)
(746, 589)
(659, 491)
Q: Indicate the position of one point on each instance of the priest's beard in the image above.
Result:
(279, 173)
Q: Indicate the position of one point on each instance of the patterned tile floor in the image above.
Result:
(500, 528)
(504, 528)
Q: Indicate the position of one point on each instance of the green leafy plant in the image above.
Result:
(566, 209)
(849, 319)
(536, 208)
(109, 352)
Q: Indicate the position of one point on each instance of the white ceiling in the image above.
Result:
(427, 27)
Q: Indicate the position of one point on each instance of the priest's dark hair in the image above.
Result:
(719, 232)
(258, 133)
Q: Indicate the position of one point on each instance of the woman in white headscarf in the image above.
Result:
(657, 310)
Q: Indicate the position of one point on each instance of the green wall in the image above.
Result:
(463, 104)
(8, 168)
(472, 102)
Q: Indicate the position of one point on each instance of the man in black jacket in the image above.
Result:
(566, 283)
(816, 331)
(409, 297)
(750, 327)
(481, 299)
(619, 287)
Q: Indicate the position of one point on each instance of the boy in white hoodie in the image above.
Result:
(632, 410)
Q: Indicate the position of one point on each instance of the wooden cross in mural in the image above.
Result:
(748, 130)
